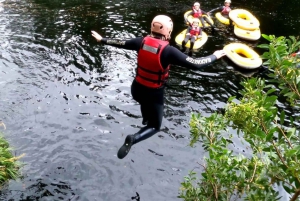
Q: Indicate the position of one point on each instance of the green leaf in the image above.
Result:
(287, 189)
(286, 62)
(269, 137)
(282, 117)
(266, 37)
(292, 37)
(231, 98)
(289, 94)
(291, 152)
(291, 132)
(298, 80)
(260, 134)
(297, 184)
(265, 46)
(271, 91)
(281, 50)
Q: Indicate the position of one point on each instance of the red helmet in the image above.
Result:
(163, 25)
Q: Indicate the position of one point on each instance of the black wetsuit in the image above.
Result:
(151, 100)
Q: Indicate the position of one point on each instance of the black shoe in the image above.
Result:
(214, 28)
(183, 46)
(124, 150)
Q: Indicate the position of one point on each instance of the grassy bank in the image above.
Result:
(9, 165)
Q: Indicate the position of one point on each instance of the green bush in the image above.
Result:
(274, 142)
(9, 165)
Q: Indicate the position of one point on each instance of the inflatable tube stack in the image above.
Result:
(246, 25)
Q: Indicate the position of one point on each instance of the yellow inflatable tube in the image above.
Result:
(242, 55)
(244, 19)
(247, 34)
(190, 18)
(222, 19)
(198, 43)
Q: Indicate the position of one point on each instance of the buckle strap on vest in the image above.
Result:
(150, 80)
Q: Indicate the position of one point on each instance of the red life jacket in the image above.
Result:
(150, 72)
(226, 10)
(197, 13)
(195, 31)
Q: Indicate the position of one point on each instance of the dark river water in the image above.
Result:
(66, 100)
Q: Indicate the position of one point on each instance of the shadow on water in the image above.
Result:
(66, 99)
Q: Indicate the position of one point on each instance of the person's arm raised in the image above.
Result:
(176, 57)
(129, 44)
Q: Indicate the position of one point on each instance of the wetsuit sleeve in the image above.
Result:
(203, 12)
(130, 44)
(186, 16)
(216, 9)
(188, 30)
(172, 55)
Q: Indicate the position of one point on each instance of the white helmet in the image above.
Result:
(163, 25)
(227, 1)
(196, 20)
(198, 4)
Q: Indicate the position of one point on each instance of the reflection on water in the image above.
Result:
(66, 99)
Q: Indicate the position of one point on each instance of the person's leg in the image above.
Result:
(144, 111)
(152, 102)
(136, 92)
(153, 126)
(231, 25)
(202, 22)
(208, 21)
(193, 38)
(154, 123)
(187, 37)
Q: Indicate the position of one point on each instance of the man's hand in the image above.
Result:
(96, 35)
(219, 53)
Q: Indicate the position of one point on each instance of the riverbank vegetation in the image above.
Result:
(268, 133)
(9, 165)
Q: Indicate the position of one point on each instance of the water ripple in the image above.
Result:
(66, 100)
